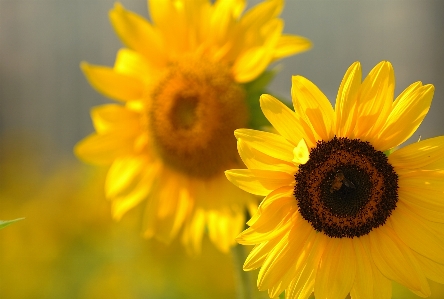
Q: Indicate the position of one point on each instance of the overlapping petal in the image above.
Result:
(138, 34)
(346, 101)
(270, 144)
(117, 86)
(290, 45)
(375, 98)
(259, 182)
(311, 104)
(285, 121)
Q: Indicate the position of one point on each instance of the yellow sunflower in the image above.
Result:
(184, 81)
(340, 216)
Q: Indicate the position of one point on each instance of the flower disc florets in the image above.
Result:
(195, 109)
(347, 188)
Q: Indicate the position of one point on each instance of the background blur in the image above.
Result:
(68, 247)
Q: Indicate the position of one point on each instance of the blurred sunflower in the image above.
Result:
(340, 216)
(185, 80)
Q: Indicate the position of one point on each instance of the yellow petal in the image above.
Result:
(281, 261)
(252, 237)
(223, 227)
(270, 144)
(272, 214)
(112, 84)
(286, 121)
(255, 159)
(364, 282)
(111, 117)
(224, 16)
(301, 153)
(428, 182)
(417, 234)
(167, 208)
(431, 209)
(252, 62)
(122, 174)
(257, 255)
(382, 288)
(261, 13)
(289, 45)
(419, 154)
(375, 99)
(138, 34)
(395, 260)
(193, 231)
(132, 63)
(278, 194)
(139, 192)
(432, 270)
(346, 101)
(408, 113)
(337, 270)
(310, 102)
(259, 182)
(303, 284)
(104, 149)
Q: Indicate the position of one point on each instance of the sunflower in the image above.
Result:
(183, 82)
(344, 210)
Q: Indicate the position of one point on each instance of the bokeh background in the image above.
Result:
(68, 246)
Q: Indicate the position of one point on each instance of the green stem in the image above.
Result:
(245, 288)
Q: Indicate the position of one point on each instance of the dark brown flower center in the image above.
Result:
(346, 188)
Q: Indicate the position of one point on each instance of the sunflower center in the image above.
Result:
(196, 106)
(347, 188)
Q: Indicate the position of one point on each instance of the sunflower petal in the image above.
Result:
(304, 283)
(406, 116)
(345, 107)
(123, 173)
(375, 99)
(112, 117)
(138, 34)
(337, 270)
(395, 260)
(290, 45)
(277, 263)
(133, 64)
(285, 121)
(270, 144)
(253, 62)
(193, 231)
(167, 208)
(261, 13)
(259, 182)
(113, 84)
(223, 227)
(419, 154)
(255, 159)
(104, 149)
(363, 285)
(309, 101)
(416, 234)
(122, 204)
(257, 255)
(433, 270)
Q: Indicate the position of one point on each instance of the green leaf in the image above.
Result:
(4, 224)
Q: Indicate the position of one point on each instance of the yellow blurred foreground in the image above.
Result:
(68, 246)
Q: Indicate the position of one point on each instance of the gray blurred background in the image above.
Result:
(44, 94)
